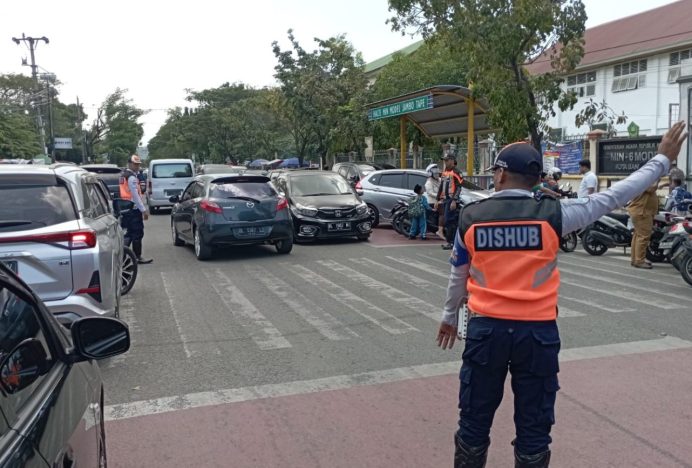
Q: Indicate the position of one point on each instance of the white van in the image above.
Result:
(168, 177)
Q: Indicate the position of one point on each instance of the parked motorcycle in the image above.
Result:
(402, 223)
(677, 247)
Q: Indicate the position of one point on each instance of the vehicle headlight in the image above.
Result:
(306, 210)
(362, 209)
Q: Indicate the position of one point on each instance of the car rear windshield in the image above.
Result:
(315, 185)
(172, 171)
(104, 170)
(255, 190)
(33, 204)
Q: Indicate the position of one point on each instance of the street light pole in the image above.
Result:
(31, 44)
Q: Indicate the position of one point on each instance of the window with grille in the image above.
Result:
(676, 59)
(582, 84)
(673, 113)
(629, 76)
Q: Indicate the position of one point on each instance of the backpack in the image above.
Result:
(415, 207)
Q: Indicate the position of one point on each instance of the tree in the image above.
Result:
(498, 38)
(116, 131)
(319, 89)
(434, 63)
(19, 137)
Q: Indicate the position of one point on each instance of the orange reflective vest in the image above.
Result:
(450, 184)
(125, 188)
(513, 244)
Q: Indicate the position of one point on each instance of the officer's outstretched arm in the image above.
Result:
(456, 287)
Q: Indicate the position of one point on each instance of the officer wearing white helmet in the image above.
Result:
(432, 185)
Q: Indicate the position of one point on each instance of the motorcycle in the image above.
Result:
(677, 246)
(568, 242)
(402, 223)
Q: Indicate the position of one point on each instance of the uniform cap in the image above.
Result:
(521, 158)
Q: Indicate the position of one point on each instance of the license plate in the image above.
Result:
(665, 245)
(339, 226)
(11, 264)
(252, 231)
(172, 193)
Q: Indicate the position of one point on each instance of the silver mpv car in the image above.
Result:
(59, 234)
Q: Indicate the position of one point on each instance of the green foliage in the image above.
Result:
(116, 131)
(18, 136)
(497, 38)
(434, 63)
(595, 112)
(322, 95)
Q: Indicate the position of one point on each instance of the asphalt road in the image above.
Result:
(252, 318)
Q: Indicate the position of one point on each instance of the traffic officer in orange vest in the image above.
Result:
(504, 264)
(448, 196)
(133, 221)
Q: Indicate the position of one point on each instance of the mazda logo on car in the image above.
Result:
(250, 205)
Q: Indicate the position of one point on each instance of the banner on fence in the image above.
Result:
(566, 156)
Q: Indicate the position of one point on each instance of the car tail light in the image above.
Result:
(72, 240)
(359, 186)
(210, 207)
(94, 288)
(282, 204)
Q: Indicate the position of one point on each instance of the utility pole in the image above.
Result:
(31, 43)
(82, 132)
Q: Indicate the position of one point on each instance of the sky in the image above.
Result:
(157, 49)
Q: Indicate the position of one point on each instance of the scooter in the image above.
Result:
(402, 223)
(607, 232)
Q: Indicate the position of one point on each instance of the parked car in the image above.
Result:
(355, 171)
(52, 395)
(109, 174)
(382, 189)
(230, 209)
(168, 177)
(59, 233)
(324, 205)
(220, 169)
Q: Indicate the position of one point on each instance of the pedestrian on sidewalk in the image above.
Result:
(589, 183)
(504, 266)
(679, 201)
(133, 221)
(642, 210)
(417, 210)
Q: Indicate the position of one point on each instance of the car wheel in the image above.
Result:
(177, 241)
(284, 246)
(154, 209)
(374, 215)
(686, 269)
(202, 250)
(364, 237)
(128, 273)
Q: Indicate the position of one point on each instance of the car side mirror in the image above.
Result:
(21, 367)
(100, 337)
(174, 199)
(120, 205)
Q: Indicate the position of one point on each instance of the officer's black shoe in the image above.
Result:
(540, 460)
(144, 261)
(466, 456)
(447, 247)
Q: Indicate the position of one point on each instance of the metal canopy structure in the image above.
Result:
(450, 111)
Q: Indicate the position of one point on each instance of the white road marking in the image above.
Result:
(595, 305)
(644, 299)
(176, 315)
(261, 330)
(341, 382)
(623, 295)
(396, 295)
(639, 277)
(566, 312)
(413, 279)
(437, 259)
(127, 315)
(326, 324)
(442, 273)
(388, 322)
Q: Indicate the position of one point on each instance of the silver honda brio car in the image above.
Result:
(59, 234)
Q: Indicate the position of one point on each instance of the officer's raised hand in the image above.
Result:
(672, 141)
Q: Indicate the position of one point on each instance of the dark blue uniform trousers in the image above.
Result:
(133, 223)
(529, 351)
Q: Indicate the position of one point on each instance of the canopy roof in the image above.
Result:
(449, 114)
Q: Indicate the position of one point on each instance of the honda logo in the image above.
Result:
(337, 213)
(250, 205)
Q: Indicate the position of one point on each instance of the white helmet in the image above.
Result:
(555, 173)
(433, 170)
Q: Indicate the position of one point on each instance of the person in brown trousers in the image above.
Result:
(642, 210)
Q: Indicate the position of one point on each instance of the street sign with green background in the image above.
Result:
(400, 108)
